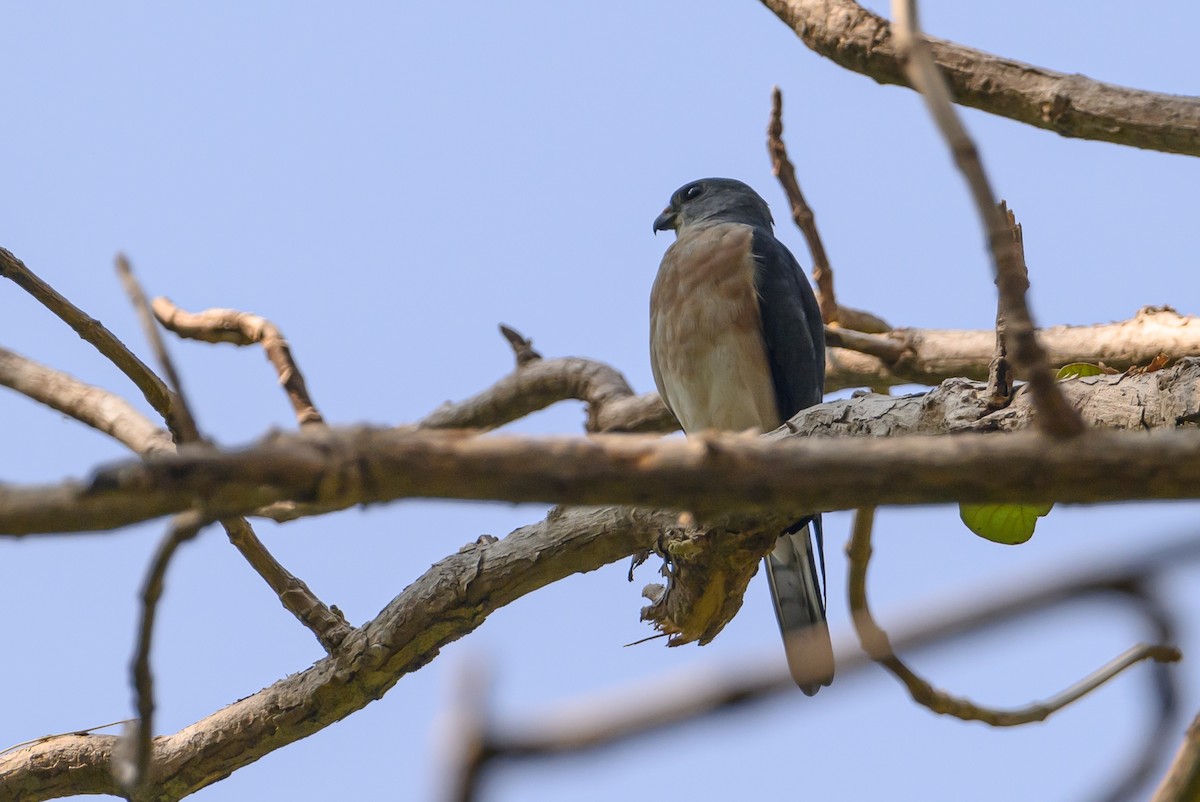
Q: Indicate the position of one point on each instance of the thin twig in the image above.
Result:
(185, 527)
(522, 347)
(327, 623)
(329, 626)
(802, 214)
(91, 330)
(1165, 688)
(83, 731)
(1000, 382)
(1056, 415)
(876, 644)
(180, 419)
(241, 329)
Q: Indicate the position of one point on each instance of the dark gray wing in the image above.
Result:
(791, 326)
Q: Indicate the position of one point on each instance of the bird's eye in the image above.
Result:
(693, 192)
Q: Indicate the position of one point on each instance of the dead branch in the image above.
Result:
(134, 775)
(449, 601)
(1182, 782)
(1000, 379)
(90, 405)
(112, 415)
(1012, 282)
(682, 697)
(241, 329)
(538, 383)
(180, 420)
(1070, 105)
(903, 356)
(91, 330)
(710, 474)
(875, 643)
(324, 470)
(802, 214)
(929, 356)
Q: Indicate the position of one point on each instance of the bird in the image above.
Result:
(737, 342)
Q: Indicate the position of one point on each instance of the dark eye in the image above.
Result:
(692, 192)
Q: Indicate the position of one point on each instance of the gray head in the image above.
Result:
(721, 200)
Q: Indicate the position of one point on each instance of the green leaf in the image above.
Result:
(1077, 369)
(1003, 523)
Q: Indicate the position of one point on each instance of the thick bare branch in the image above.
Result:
(903, 356)
(243, 328)
(536, 384)
(449, 601)
(1071, 105)
(929, 356)
(709, 474)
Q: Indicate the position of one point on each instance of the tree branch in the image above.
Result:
(683, 697)
(134, 774)
(92, 331)
(709, 475)
(930, 356)
(112, 415)
(1012, 281)
(90, 405)
(875, 642)
(449, 601)
(1182, 783)
(1070, 105)
(241, 329)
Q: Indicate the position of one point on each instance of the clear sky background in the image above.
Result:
(387, 182)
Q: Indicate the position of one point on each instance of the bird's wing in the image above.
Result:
(791, 326)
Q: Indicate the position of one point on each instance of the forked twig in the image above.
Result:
(329, 626)
(91, 330)
(875, 643)
(180, 419)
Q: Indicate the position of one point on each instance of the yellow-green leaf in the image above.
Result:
(1003, 523)
(1077, 369)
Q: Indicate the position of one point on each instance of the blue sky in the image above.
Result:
(387, 182)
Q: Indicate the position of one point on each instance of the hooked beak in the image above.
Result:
(668, 220)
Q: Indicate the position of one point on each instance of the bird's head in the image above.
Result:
(723, 200)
